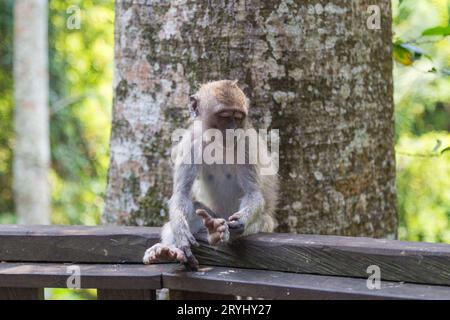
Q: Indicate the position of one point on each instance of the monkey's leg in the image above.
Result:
(217, 228)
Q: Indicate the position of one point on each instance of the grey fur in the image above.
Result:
(222, 189)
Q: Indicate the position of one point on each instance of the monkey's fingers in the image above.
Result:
(163, 253)
(192, 240)
(160, 252)
(203, 214)
(178, 255)
(220, 236)
(191, 262)
(208, 221)
(236, 224)
(234, 217)
(150, 255)
(170, 254)
(215, 224)
(214, 238)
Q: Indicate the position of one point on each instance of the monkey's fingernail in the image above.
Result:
(202, 213)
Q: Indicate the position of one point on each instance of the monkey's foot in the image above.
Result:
(162, 252)
(218, 232)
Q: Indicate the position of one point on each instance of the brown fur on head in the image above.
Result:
(219, 95)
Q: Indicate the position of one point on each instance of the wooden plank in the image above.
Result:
(21, 293)
(283, 285)
(111, 294)
(95, 276)
(78, 244)
(208, 280)
(316, 254)
(414, 262)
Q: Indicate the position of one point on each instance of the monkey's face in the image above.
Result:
(220, 105)
(227, 119)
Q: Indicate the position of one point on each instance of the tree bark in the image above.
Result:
(312, 69)
(32, 147)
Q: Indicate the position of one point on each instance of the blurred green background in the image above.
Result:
(422, 115)
(81, 64)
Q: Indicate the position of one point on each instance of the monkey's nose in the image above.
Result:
(231, 125)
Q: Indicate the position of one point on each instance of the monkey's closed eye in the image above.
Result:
(226, 114)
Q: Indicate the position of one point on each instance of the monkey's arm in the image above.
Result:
(247, 219)
(181, 206)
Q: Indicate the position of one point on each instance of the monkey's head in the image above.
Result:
(220, 105)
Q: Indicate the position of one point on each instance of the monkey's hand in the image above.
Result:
(236, 224)
(218, 232)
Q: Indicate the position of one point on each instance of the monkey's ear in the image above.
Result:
(235, 82)
(193, 106)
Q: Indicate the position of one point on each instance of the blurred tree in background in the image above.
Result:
(81, 98)
(81, 63)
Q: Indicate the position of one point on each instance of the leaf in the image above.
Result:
(445, 150)
(406, 54)
(437, 31)
(402, 55)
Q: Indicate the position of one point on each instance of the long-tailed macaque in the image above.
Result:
(223, 199)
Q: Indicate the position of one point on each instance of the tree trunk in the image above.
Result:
(312, 69)
(32, 146)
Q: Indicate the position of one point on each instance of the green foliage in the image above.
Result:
(437, 31)
(69, 294)
(418, 27)
(423, 188)
(422, 113)
(81, 96)
(6, 98)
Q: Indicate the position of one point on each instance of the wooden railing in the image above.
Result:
(271, 266)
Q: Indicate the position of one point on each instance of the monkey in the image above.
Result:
(223, 200)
